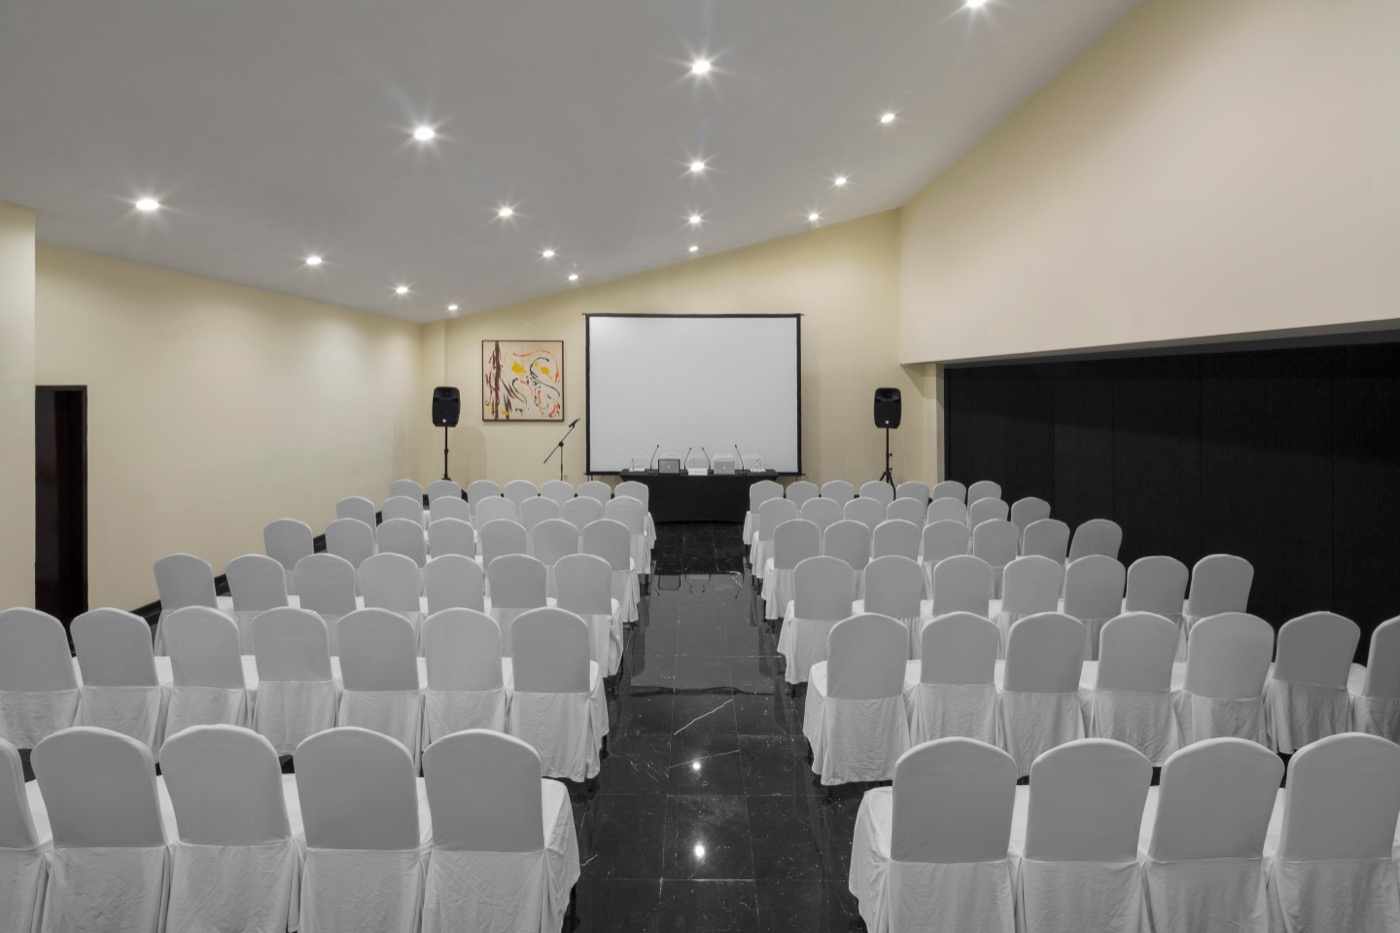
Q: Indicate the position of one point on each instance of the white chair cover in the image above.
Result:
(407, 488)
(183, 580)
(516, 583)
(367, 834)
(1204, 866)
(394, 582)
(952, 691)
(771, 513)
(759, 493)
(877, 489)
(1030, 584)
(799, 491)
(942, 538)
(505, 854)
(823, 590)
(558, 490)
(453, 581)
(466, 686)
(481, 489)
(449, 507)
(632, 513)
(120, 691)
(821, 511)
(349, 538)
(1376, 709)
(610, 540)
(1080, 870)
(1096, 536)
(912, 489)
(1046, 537)
(1093, 595)
(907, 509)
(1131, 701)
(297, 696)
(794, 541)
(444, 489)
(402, 536)
(867, 510)
(1028, 509)
(946, 509)
(257, 583)
(962, 583)
(207, 684)
(502, 536)
(326, 586)
(235, 864)
(25, 842)
(581, 511)
(1040, 702)
(518, 490)
(1334, 869)
(895, 536)
(987, 509)
(849, 540)
(931, 852)
(995, 540)
(451, 536)
(854, 718)
(1306, 698)
(379, 677)
(894, 588)
(1227, 659)
(983, 489)
(1219, 583)
(595, 489)
(948, 488)
(109, 868)
(495, 508)
(403, 507)
(537, 509)
(38, 686)
(288, 540)
(1157, 584)
(550, 540)
(839, 491)
(584, 584)
(359, 508)
(558, 706)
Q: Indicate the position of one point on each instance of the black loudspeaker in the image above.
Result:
(447, 406)
(887, 407)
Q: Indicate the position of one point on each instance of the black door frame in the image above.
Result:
(79, 523)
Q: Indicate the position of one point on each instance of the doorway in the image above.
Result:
(60, 501)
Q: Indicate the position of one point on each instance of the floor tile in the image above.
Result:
(623, 836)
(707, 836)
(707, 907)
(807, 907)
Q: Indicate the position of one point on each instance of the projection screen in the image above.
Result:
(701, 381)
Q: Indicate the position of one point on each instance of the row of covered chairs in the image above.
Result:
(840, 492)
(534, 678)
(1089, 845)
(221, 840)
(517, 490)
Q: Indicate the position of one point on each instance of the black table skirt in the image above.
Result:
(678, 497)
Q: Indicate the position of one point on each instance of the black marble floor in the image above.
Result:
(706, 815)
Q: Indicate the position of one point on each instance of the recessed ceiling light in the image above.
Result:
(453, 308)
(698, 166)
(700, 67)
(573, 276)
(695, 247)
(974, 4)
(424, 133)
(840, 181)
(505, 212)
(147, 204)
(313, 260)
(547, 253)
(887, 118)
(401, 290)
(695, 220)
(814, 217)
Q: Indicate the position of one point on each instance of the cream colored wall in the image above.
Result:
(16, 406)
(213, 408)
(842, 279)
(1212, 167)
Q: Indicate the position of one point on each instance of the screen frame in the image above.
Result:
(588, 380)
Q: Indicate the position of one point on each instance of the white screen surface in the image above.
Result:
(701, 381)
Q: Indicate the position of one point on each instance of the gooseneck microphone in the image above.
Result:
(652, 458)
(740, 456)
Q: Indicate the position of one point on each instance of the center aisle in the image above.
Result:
(706, 816)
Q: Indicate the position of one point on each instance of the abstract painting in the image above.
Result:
(522, 380)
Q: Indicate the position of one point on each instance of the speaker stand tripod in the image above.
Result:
(444, 453)
(888, 475)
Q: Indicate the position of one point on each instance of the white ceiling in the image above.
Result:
(272, 129)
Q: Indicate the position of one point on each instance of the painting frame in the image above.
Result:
(506, 398)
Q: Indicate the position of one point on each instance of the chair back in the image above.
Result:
(839, 491)
(203, 647)
(550, 652)
(484, 793)
(1343, 799)
(454, 581)
(1227, 656)
(225, 785)
(99, 787)
(502, 536)
(793, 541)
(518, 490)
(1031, 584)
(1220, 583)
(823, 588)
(866, 510)
(349, 538)
(952, 802)
(358, 790)
(894, 585)
(959, 648)
(906, 508)
(462, 650)
(895, 536)
(946, 509)
(537, 509)
(1136, 652)
(495, 508)
(1382, 660)
(408, 489)
(584, 584)
(16, 820)
(581, 511)
(444, 489)
(821, 511)
(1156, 583)
(34, 653)
(595, 489)
(1048, 537)
(866, 657)
(1028, 509)
(114, 649)
(945, 538)
(1086, 801)
(763, 490)
(325, 583)
(1094, 587)
(357, 507)
(401, 536)
(771, 514)
(403, 507)
(609, 540)
(986, 509)
(557, 490)
(480, 489)
(287, 541)
(877, 489)
(995, 541)
(1096, 536)
(391, 581)
(1045, 654)
(848, 540)
(912, 489)
(516, 581)
(378, 651)
(962, 583)
(552, 539)
(950, 489)
(800, 491)
(637, 490)
(256, 582)
(184, 580)
(983, 489)
(631, 512)
(1215, 799)
(449, 507)
(291, 645)
(451, 536)
(1316, 648)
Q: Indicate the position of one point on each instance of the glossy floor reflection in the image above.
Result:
(706, 816)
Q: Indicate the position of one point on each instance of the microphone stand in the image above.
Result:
(559, 449)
